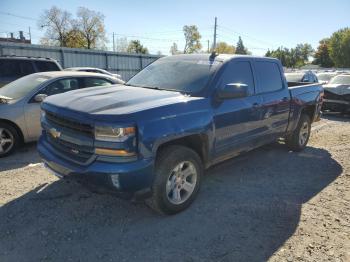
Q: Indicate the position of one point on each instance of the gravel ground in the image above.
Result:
(266, 205)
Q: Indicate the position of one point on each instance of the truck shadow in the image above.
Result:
(247, 208)
(25, 155)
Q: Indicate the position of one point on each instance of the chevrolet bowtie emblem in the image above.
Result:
(54, 133)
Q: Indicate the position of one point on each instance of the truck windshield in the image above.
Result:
(340, 80)
(185, 75)
(324, 77)
(21, 87)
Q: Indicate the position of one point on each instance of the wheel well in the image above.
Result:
(19, 131)
(309, 111)
(198, 143)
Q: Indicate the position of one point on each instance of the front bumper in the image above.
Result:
(123, 177)
(336, 105)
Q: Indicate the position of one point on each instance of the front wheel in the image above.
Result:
(8, 139)
(177, 179)
(297, 141)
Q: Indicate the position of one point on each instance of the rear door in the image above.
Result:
(276, 98)
(237, 121)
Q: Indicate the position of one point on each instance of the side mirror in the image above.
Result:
(40, 97)
(233, 90)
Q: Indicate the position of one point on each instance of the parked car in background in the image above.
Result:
(14, 67)
(337, 94)
(325, 77)
(93, 70)
(20, 102)
(153, 136)
(302, 77)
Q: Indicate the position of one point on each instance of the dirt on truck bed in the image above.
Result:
(266, 205)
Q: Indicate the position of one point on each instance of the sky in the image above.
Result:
(157, 24)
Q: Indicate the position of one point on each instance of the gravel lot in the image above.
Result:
(269, 204)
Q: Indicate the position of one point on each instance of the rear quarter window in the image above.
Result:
(269, 76)
(45, 66)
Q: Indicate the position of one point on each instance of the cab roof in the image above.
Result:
(218, 57)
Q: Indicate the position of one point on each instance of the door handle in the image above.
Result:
(256, 104)
(285, 99)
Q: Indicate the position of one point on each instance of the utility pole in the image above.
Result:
(113, 43)
(215, 26)
(208, 46)
(30, 36)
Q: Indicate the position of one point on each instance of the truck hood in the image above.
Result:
(115, 100)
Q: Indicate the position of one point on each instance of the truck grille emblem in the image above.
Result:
(54, 133)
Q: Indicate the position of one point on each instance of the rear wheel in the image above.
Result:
(297, 141)
(177, 179)
(9, 139)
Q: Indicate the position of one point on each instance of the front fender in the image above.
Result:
(182, 122)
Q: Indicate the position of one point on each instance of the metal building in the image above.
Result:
(125, 64)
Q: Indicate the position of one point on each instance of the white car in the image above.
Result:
(20, 102)
(93, 70)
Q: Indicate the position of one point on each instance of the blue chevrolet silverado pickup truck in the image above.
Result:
(153, 136)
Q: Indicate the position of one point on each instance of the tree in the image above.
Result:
(224, 48)
(122, 44)
(192, 39)
(75, 39)
(57, 23)
(136, 47)
(303, 52)
(322, 56)
(174, 50)
(240, 48)
(91, 24)
(339, 47)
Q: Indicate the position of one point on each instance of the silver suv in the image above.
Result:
(14, 67)
(20, 102)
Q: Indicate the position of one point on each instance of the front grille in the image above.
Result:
(75, 141)
(70, 151)
(69, 124)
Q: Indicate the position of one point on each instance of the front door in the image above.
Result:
(237, 121)
(32, 109)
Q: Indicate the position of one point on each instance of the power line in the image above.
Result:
(245, 35)
(18, 16)
(149, 38)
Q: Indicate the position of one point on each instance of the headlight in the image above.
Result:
(113, 134)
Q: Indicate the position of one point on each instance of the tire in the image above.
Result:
(9, 139)
(297, 141)
(177, 180)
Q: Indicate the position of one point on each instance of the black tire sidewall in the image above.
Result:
(165, 164)
(303, 119)
(293, 140)
(15, 137)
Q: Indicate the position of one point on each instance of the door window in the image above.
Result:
(61, 86)
(91, 81)
(239, 72)
(269, 77)
(15, 68)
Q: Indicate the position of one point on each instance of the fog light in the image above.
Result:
(115, 180)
